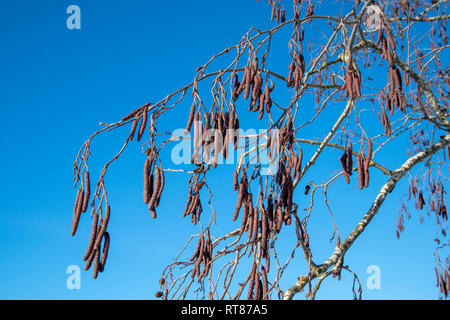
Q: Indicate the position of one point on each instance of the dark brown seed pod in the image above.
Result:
(250, 219)
(103, 227)
(87, 192)
(236, 134)
(77, 211)
(143, 125)
(158, 294)
(105, 251)
(92, 237)
(279, 213)
(96, 264)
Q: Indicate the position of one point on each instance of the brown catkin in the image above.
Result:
(197, 250)
(190, 119)
(264, 232)
(133, 129)
(96, 264)
(132, 114)
(360, 171)
(161, 186)
(258, 287)
(343, 161)
(240, 198)
(156, 187)
(146, 191)
(143, 125)
(105, 252)
(87, 192)
(92, 237)
(77, 211)
(103, 228)
(252, 281)
(265, 284)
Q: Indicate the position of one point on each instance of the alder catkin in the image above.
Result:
(103, 228)
(92, 237)
(77, 211)
(146, 191)
(87, 192)
(190, 119)
(105, 252)
(143, 125)
(96, 264)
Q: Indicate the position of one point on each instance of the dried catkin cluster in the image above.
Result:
(296, 70)
(193, 204)
(252, 85)
(202, 254)
(258, 288)
(81, 202)
(363, 164)
(443, 280)
(352, 80)
(347, 163)
(214, 136)
(154, 181)
(94, 253)
(278, 13)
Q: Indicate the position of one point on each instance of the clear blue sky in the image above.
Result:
(56, 85)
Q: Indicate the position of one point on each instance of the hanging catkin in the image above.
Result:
(143, 125)
(105, 252)
(190, 119)
(92, 237)
(147, 168)
(96, 264)
(77, 211)
(87, 191)
(102, 231)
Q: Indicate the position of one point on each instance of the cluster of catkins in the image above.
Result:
(352, 81)
(193, 204)
(141, 112)
(259, 286)
(202, 254)
(252, 84)
(296, 70)
(394, 98)
(153, 183)
(218, 131)
(347, 162)
(363, 164)
(94, 252)
(278, 11)
(443, 281)
(437, 202)
(81, 202)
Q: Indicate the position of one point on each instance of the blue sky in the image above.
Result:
(56, 85)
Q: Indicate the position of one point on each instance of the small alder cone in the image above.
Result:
(87, 191)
